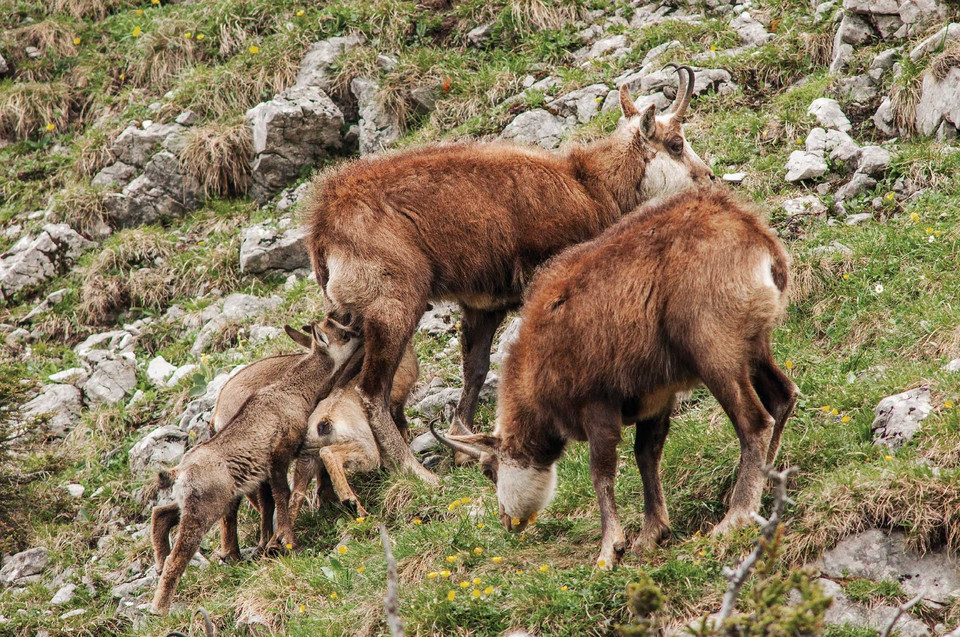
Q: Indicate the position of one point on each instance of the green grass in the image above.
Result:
(846, 344)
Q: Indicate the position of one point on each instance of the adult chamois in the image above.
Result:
(471, 223)
(256, 446)
(678, 293)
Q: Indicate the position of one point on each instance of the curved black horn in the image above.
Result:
(470, 450)
(691, 80)
(207, 624)
(681, 86)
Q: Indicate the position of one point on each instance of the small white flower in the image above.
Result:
(930, 239)
(878, 288)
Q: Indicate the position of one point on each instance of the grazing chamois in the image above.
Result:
(257, 445)
(242, 385)
(681, 292)
(471, 223)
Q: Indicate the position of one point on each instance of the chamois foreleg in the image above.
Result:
(388, 325)
(164, 518)
(754, 427)
(476, 334)
(333, 463)
(266, 507)
(283, 538)
(229, 542)
(647, 449)
(602, 425)
(778, 395)
(307, 466)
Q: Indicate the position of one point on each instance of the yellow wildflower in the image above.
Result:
(788, 365)
(76, 40)
(444, 573)
(929, 230)
(464, 500)
(601, 563)
(361, 519)
(519, 571)
(342, 549)
(496, 560)
(188, 35)
(845, 419)
(713, 48)
(477, 581)
(834, 412)
(154, 1)
(515, 521)
(846, 277)
(417, 521)
(702, 553)
(464, 584)
(488, 590)
(432, 575)
(300, 12)
(139, 11)
(451, 595)
(477, 550)
(825, 408)
(914, 217)
(544, 568)
(888, 458)
(948, 404)
(333, 595)
(289, 546)
(564, 587)
(303, 608)
(136, 32)
(889, 196)
(50, 127)
(254, 49)
(361, 569)
(475, 593)
(451, 558)
(480, 525)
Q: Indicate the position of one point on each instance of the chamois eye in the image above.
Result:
(488, 472)
(675, 145)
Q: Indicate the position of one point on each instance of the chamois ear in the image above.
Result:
(348, 331)
(626, 103)
(319, 338)
(300, 338)
(648, 121)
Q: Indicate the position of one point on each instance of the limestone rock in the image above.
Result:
(805, 165)
(112, 379)
(507, 338)
(536, 127)
(73, 376)
(616, 45)
(939, 102)
(480, 35)
(583, 103)
(64, 595)
(58, 405)
(31, 261)
(828, 114)
(705, 80)
(290, 132)
(845, 611)
(750, 30)
(423, 443)
(898, 417)
(116, 174)
(440, 319)
(825, 141)
(808, 205)
(857, 219)
(317, 65)
(873, 160)
(879, 556)
(163, 191)
(115, 341)
(953, 366)
(273, 246)
(135, 145)
(860, 89)
(24, 567)
(233, 308)
(883, 119)
(162, 447)
(379, 127)
(936, 42)
(858, 184)
(434, 403)
(159, 371)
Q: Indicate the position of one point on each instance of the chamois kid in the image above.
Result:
(257, 445)
(678, 293)
(471, 223)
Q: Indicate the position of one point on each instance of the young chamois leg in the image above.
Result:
(229, 542)
(333, 463)
(602, 425)
(388, 324)
(476, 334)
(778, 395)
(192, 527)
(754, 427)
(400, 420)
(283, 538)
(266, 507)
(164, 518)
(307, 467)
(647, 449)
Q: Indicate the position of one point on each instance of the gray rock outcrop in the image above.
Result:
(804, 165)
(938, 111)
(31, 261)
(24, 567)
(277, 245)
(379, 127)
(293, 130)
(135, 145)
(898, 417)
(114, 376)
(538, 127)
(163, 191)
(58, 406)
(583, 103)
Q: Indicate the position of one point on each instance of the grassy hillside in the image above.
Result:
(875, 317)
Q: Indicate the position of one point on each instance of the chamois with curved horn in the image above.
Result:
(471, 223)
(679, 293)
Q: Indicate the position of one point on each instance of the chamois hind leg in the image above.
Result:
(266, 507)
(283, 538)
(476, 338)
(306, 468)
(602, 424)
(333, 463)
(400, 420)
(229, 542)
(164, 518)
(388, 325)
(754, 427)
(192, 528)
(647, 449)
(778, 395)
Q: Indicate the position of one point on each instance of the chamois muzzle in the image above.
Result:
(684, 89)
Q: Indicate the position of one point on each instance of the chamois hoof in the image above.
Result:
(650, 539)
(731, 522)
(231, 558)
(355, 508)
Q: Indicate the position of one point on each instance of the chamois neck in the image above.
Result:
(311, 378)
(611, 171)
(530, 436)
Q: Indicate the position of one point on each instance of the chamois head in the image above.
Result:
(671, 164)
(524, 486)
(331, 338)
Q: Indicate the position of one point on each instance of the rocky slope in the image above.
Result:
(151, 246)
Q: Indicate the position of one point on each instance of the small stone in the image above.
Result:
(952, 366)
(181, 373)
(187, 118)
(24, 567)
(828, 113)
(898, 417)
(480, 35)
(72, 376)
(536, 127)
(808, 205)
(75, 490)
(734, 178)
(857, 219)
(858, 184)
(804, 165)
(423, 443)
(64, 595)
(57, 405)
(873, 160)
(159, 371)
(265, 247)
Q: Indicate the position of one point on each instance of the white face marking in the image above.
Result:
(523, 491)
(665, 175)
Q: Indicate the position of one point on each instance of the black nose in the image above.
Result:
(713, 176)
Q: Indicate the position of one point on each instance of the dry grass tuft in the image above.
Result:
(809, 277)
(92, 152)
(102, 298)
(533, 15)
(922, 505)
(904, 97)
(94, 10)
(81, 207)
(52, 37)
(818, 47)
(162, 53)
(219, 155)
(943, 63)
(397, 497)
(27, 108)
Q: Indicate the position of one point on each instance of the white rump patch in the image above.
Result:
(523, 491)
(764, 272)
(335, 268)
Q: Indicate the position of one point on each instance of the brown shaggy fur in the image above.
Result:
(678, 293)
(471, 223)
